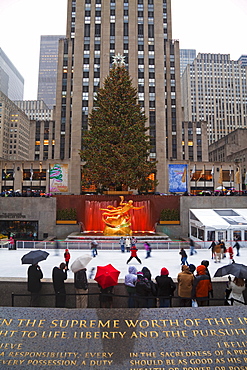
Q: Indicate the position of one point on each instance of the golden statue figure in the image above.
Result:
(117, 219)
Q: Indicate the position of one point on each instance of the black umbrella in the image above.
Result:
(236, 269)
(34, 257)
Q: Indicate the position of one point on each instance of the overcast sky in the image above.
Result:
(212, 26)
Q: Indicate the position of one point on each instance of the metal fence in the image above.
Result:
(102, 244)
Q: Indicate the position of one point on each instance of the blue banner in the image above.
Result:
(178, 176)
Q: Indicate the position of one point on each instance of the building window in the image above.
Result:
(97, 30)
(126, 29)
(112, 29)
(87, 30)
(140, 29)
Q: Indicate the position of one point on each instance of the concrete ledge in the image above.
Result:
(19, 286)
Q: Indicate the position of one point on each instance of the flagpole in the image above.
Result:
(204, 177)
(195, 181)
(230, 176)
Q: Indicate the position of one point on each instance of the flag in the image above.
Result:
(237, 176)
(212, 171)
(184, 175)
(220, 181)
(5, 169)
(40, 166)
(31, 174)
(193, 171)
(202, 173)
(245, 179)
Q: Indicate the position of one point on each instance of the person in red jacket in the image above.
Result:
(133, 251)
(67, 257)
(201, 286)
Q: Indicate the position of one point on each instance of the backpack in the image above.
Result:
(81, 280)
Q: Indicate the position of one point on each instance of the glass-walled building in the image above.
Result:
(48, 69)
(11, 81)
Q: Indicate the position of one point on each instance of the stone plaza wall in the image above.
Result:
(19, 286)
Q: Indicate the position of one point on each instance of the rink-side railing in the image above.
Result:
(110, 245)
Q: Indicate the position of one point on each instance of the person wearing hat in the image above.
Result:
(165, 288)
(201, 286)
(143, 290)
(185, 283)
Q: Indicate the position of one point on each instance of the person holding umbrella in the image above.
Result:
(107, 278)
(34, 275)
(237, 286)
(80, 280)
(59, 275)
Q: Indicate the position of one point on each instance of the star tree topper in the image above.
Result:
(118, 60)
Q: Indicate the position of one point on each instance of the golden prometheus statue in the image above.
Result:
(117, 219)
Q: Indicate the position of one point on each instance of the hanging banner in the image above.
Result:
(178, 178)
(58, 178)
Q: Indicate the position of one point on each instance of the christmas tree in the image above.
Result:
(116, 147)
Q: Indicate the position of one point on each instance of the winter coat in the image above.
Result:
(133, 251)
(34, 276)
(147, 274)
(165, 286)
(183, 253)
(217, 248)
(143, 287)
(58, 277)
(131, 277)
(237, 292)
(66, 256)
(80, 279)
(185, 282)
(201, 285)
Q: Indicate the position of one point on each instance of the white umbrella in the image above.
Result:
(80, 263)
(220, 188)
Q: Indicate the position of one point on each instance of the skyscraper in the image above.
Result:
(48, 69)
(141, 31)
(215, 90)
(187, 56)
(11, 81)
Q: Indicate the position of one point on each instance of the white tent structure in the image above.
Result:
(206, 225)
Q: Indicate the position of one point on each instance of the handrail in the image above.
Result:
(13, 295)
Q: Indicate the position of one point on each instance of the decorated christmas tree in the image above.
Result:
(116, 146)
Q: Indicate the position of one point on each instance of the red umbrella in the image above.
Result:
(107, 276)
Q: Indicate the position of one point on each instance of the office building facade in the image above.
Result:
(42, 129)
(48, 69)
(11, 81)
(214, 90)
(14, 131)
(140, 30)
(242, 60)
